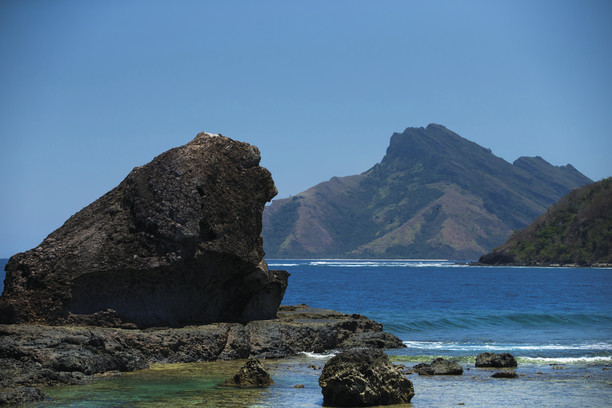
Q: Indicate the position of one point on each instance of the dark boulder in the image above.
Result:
(439, 366)
(505, 374)
(382, 340)
(252, 374)
(495, 360)
(177, 242)
(363, 377)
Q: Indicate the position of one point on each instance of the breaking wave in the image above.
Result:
(364, 263)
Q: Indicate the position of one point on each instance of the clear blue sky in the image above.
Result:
(91, 89)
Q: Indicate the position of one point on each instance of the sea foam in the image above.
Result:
(505, 347)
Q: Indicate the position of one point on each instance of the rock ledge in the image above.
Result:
(35, 356)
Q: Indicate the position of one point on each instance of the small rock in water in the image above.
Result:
(495, 360)
(505, 374)
(363, 377)
(440, 366)
(252, 374)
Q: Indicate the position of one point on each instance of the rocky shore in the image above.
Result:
(167, 267)
(33, 356)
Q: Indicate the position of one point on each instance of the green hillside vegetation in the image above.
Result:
(433, 195)
(575, 230)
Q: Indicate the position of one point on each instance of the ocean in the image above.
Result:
(557, 322)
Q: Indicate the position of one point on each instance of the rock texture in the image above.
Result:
(495, 360)
(439, 366)
(252, 374)
(363, 377)
(21, 395)
(34, 355)
(177, 242)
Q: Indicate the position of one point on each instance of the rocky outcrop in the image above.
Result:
(439, 366)
(363, 377)
(252, 374)
(177, 242)
(33, 355)
(495, 360)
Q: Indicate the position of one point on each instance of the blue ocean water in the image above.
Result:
(443, 308)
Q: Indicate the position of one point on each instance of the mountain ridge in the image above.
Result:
(434, 194)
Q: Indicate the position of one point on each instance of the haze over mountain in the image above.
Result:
(433, 195)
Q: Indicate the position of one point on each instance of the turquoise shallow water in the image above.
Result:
(556, 321)
(195, 385)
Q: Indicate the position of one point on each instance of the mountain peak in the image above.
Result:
(434, 194)
(433, 126)
(415, 143)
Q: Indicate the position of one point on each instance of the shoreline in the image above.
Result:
(196, 383)
(34, 356)
(541, 265)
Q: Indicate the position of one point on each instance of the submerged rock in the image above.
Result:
(495, 360)
(177, 242)
(505, 374)
(363, 377)
(439, 366)
(252, 374)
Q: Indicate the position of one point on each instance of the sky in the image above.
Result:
(91, 89)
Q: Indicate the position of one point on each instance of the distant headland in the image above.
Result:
(576, 231)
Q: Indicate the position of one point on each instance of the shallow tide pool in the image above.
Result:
(196, 385)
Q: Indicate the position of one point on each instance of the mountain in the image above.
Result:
(575, 230)
(433, 195)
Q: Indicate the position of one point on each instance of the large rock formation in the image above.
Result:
(363, 377)
(177, 242)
